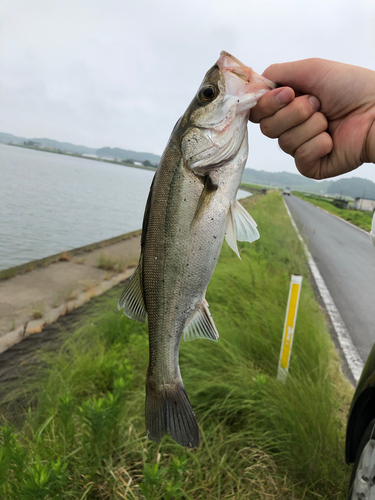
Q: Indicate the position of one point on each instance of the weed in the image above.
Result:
(37, 313)
(89, 285)
(65, 257)
(108, 264)
(73, 295)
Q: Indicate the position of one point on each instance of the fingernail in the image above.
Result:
(285, 96)
(315, 103)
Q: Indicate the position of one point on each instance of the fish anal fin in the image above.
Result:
(132, 296)
(201, 326)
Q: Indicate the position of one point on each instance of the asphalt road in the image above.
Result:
(346, 260)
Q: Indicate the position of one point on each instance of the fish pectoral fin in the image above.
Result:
(202, 325)
(240, 226)
(246, 227)
(230, 232)
(132, 296)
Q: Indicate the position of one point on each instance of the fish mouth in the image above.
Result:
(240, 80)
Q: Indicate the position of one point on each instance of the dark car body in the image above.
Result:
(362, 408)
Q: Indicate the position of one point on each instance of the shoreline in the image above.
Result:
(77, 155)
(64, 255)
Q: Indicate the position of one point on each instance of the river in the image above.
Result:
(50, 202)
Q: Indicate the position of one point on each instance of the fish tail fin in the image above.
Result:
(168, 409)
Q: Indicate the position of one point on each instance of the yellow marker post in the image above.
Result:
(290, 321)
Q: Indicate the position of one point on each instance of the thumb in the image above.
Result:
(303, 76)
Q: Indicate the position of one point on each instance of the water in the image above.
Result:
(50, 203)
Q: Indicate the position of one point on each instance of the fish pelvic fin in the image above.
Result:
(168, 409)
(132, 296)
(240, 226)
(201, 326)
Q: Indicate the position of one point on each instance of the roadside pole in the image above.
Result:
(289, 325)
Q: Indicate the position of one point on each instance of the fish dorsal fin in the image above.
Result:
(202, 325)
(132, 296)
(240, 226)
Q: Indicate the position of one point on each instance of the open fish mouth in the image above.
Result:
(240, 80)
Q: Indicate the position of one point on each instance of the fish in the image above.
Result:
(190, 209)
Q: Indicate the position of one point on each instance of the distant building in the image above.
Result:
(364, 204)
(32, 143)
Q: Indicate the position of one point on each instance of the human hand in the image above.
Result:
(329, 127)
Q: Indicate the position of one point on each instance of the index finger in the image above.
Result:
(271, 102)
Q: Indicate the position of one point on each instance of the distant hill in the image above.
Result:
(64, 146)
(281, 179)
(120, 154)
(354, 187)
(127, 154)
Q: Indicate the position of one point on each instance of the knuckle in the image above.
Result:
(302, 154)
(302, 110)
(271, 69)
(286, 143)
(327, 142)
(262, 110)
(266, 128)
(255, 115)
(322, 120)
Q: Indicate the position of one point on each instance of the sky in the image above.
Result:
(120, 73)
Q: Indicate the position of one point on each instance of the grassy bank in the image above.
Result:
(360, 218)
(254, 187)
(83, 437)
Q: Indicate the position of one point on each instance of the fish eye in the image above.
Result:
(207, 94)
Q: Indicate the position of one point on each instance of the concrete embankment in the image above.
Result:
(38, 293)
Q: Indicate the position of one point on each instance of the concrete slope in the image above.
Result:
(30, 301)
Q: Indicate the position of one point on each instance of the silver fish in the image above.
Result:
(190, 209)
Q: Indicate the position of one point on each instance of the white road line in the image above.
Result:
(351, 354)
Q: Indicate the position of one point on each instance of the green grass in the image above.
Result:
(84, 436)
(360, 218)
(255, 187)
(109, 264)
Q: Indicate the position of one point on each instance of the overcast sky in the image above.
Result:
(120, 73)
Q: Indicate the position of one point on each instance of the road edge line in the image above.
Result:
(351, 353)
